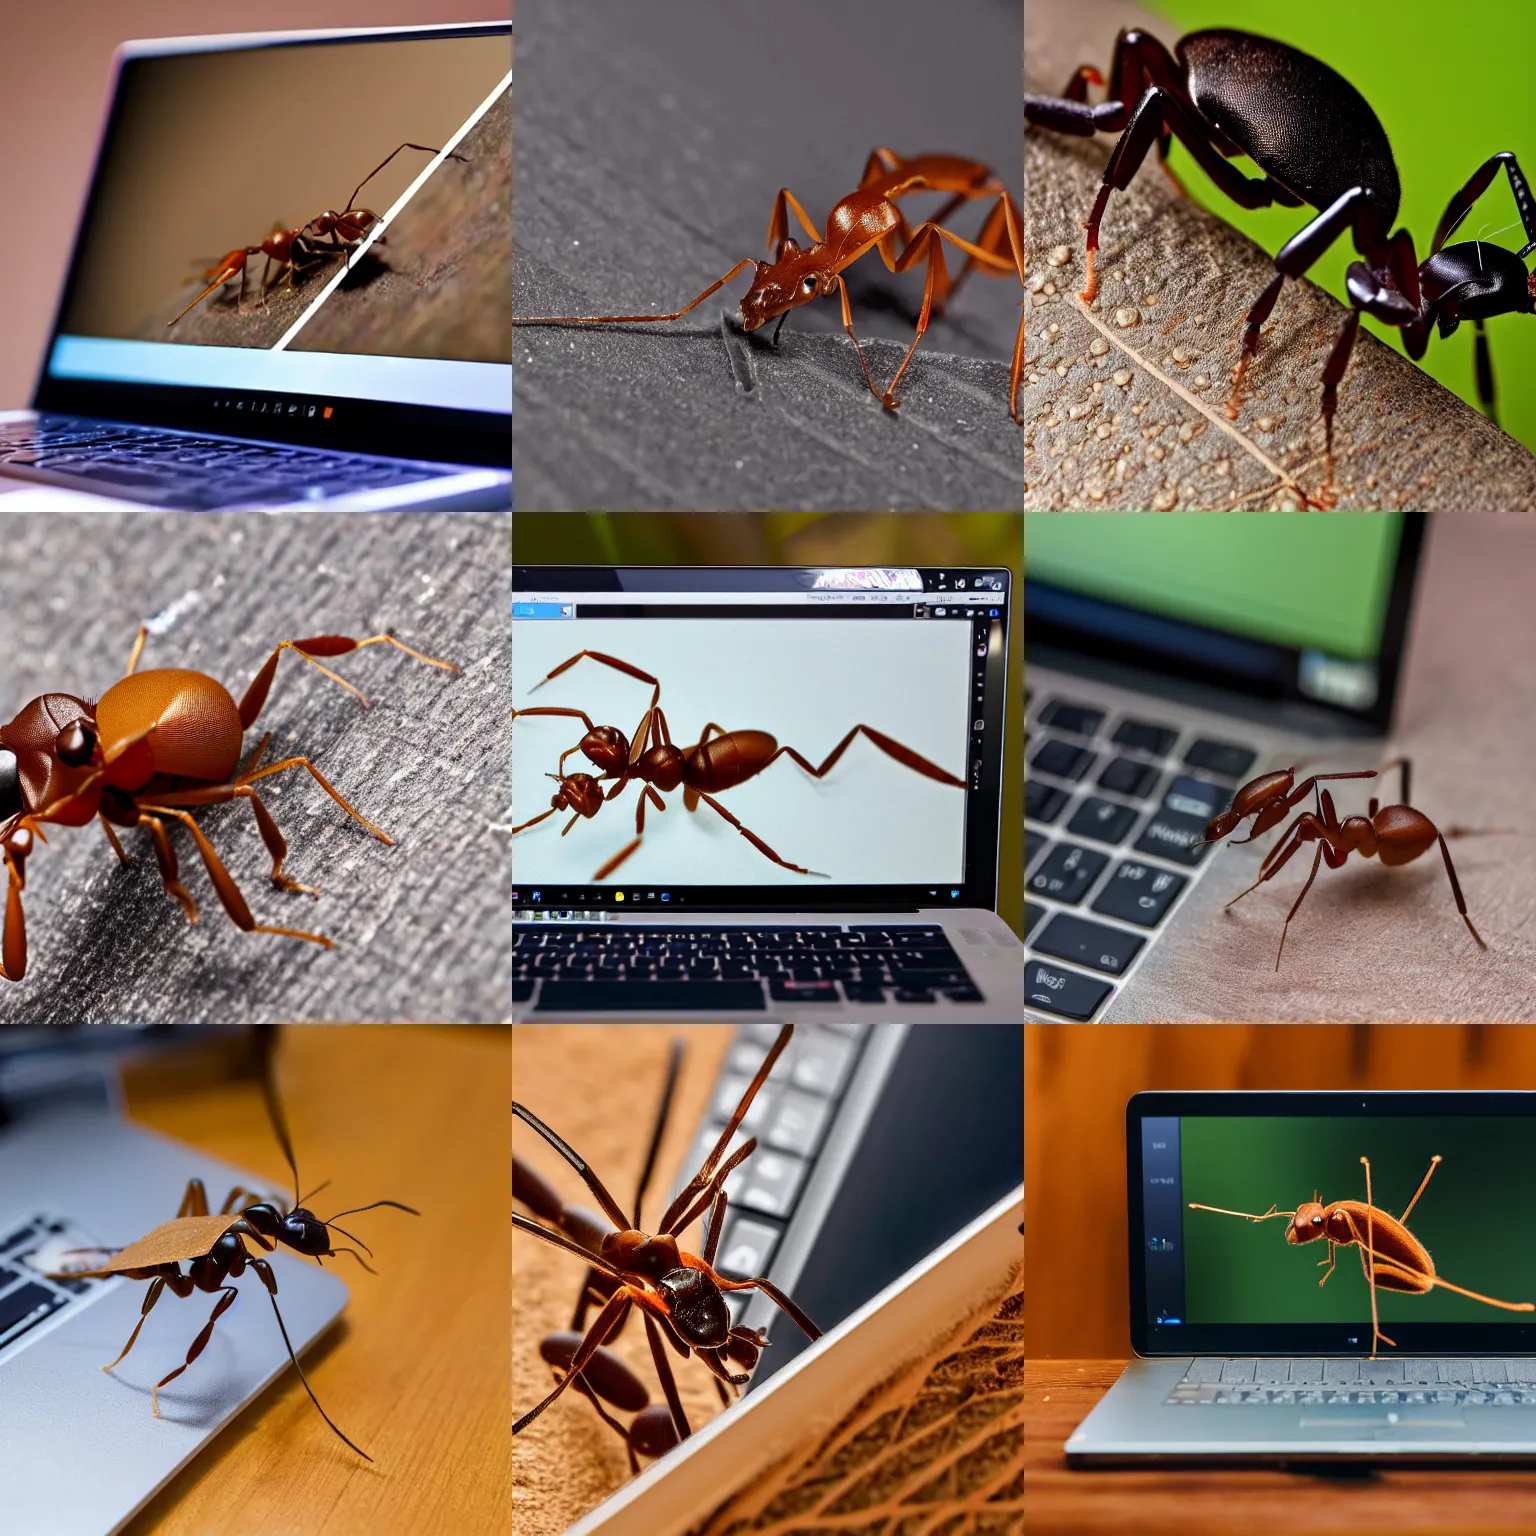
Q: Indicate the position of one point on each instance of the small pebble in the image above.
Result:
(1118, 275)
(1081, 409)
(1104, 430)
(1053, 330)
(1098, 346)
(1127, 317)
(1049, 288)
(1122, 376)
(1036, 282)
(1095, 490)
(1150, 301)
(1223, 467)
(1061, 370)
(1155, 453)
(1059, 256)
(1164, 501)
(1202, 381)
(1183, 357)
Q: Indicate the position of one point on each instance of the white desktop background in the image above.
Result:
(870, 821)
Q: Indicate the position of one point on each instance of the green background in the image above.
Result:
(1451, 85)
(1313, 580)
(1477, 1218)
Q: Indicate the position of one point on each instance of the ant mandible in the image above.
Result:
(1391, 1257)
(1398, 834)
(1224, 93)
(154, 745)
(715, 763)
(298, 249)
(868, 218)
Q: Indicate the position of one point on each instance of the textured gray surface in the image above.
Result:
(1130, 415)
(651, 141)
(421, 929)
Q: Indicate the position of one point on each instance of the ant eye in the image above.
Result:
(75, 744)
(1317, 1221)
(809, 285)
(11, 803)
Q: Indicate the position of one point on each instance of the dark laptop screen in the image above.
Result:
(906, 814)
(303, 238)
(1213, 1279)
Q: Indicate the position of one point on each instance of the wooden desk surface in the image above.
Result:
(1185, 1502)
(417, 1371)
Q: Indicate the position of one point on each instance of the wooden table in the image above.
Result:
(1185, 1501)
(418, 1369)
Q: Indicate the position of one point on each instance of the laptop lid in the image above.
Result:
(1207, 1283)
(1307, 610)
(805, 655)
(390, 335)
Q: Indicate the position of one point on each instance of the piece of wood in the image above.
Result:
(172, 1242)
(1188, 1502)
(418, 1369)
(1123, 399)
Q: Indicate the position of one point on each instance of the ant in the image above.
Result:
(296, 250)
(1225, 93)
(1391, 1257)
(679, 1295)
(154, 744)
(213, 1247)
(868, 218)
(1397, 833)
(713, 764)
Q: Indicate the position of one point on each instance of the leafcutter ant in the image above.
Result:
(213, 1247)
(154, 744)
(680, 1296)
(868, 219)
(718, 761)
(1391, 1257)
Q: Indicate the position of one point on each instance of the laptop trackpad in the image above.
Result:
(1385, 1423)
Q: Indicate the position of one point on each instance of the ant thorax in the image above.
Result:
(698, 1309)
(636, 1253)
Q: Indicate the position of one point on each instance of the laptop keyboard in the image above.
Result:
(26, 1298)
(1362, 1383)
(612, 968)
(1114, 804)
(185, 472)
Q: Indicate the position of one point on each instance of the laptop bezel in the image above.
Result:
(977, 885)
(1195, 659)
(389, 429)
(1463, 1340)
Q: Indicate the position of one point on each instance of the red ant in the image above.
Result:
(296, 250)
(868, 217)
(1398, 833)
(714, 763)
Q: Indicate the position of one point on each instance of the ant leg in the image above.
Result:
(1434, 1163)
(1247, 1216)
(1484, 366)
(1316, 863)
(151, 1296)
(648, 792)
(15, 847)
(1368, 1257)
(1290, 840)
(1461, 904)
(607, 1321)
(248, 778)
(223, 883)
(758, 843)
(778, 225)
(668, 1381)
(170, 870)
(1480, 180)
(199, 1344)
(536, 820)
(1338, 362)
(842, 289)
(714, 287)
(137, 651)
(778, 1298)
(117, 847)
(320, 645)
(1331, 1260)
(607, 661)
(711, 1358)
(1508, 1306)
(713, 1189)
(195, 1201)
(894, 749)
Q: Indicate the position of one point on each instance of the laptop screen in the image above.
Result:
(304, 238)
(1211, 1279)
(844, 725)
(1310, 606)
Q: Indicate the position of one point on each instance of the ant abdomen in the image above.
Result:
(605, 1372)
(697, 1307)
(652, 1432)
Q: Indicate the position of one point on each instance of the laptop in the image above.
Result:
(824, 843)
(1253, 1349)
(76, 1175)
(1172, 659)
(269, 308)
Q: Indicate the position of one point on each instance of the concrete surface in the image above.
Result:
(421, 929)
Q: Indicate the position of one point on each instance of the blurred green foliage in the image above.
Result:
(1451, 88)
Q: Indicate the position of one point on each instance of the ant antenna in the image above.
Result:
(356, 1208)
(664, 1110)
(266, 1046)
(425, 149)
(315, 1191)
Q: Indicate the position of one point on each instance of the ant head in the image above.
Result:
(791, 279)
(47, 754)
(607, 746)
(637, 1254)
(579, 792)
(1218, 827)
(1308, 1224)
(298, 1229)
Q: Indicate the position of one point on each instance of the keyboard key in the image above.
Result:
(1033, 843)
(1078, 719)
(25, 1308)
(1143, 736)
(1043, 802)
(1137, 893)
(1194, 797)
(798, 1122)
(1095, 945)
(863, 992)
(803, 992)
(746, 1248)
(1125, 776)
(1032, 916)
(821, 1062)
(1224, 758)
(1102, 820)
(772, 1184)
(1177, 829)
(1062, 760)
(1067, 872)
(522, 989)
(651, 996)
(1054, 989)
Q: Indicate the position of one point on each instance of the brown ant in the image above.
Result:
(154, 744)
(1398, 834)
(1391, 1257)
(712, 765)
(679, 1295)
(865, 219)
(296, 250)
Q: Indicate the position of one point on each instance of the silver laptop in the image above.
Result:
(1171, 660)
(824, 844)
(82, 1451)
(1256, 1328)
(275, 314)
